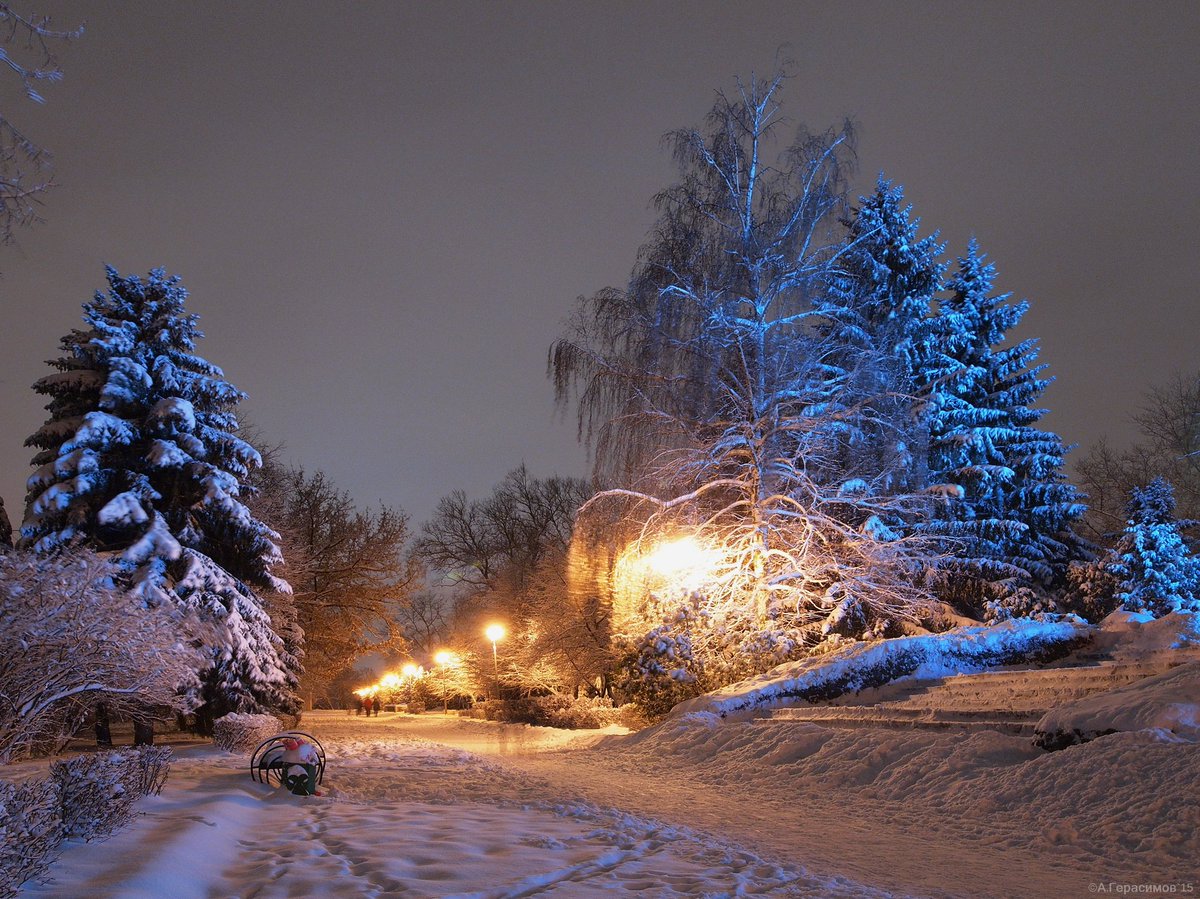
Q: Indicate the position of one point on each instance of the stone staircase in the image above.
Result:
(1010, 700)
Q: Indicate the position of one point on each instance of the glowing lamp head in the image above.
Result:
(390, 681)
(443, 657)
(494, 632)
(409, 670)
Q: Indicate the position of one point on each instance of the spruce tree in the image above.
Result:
(1156, 571)
(1008, 512)
(879, 304)
(139, 457)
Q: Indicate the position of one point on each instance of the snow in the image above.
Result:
(860, 665)
(123, 509)
(1169, 702)
(434, 805)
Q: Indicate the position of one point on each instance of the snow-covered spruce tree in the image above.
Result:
(1156, 571)
(140, 457)
(718, 401)
(1006, 524)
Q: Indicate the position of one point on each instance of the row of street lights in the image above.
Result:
(444, 659)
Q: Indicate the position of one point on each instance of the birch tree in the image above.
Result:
(714, 395)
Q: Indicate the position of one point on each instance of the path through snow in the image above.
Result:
(430, 805)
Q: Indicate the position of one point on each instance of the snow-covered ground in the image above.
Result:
(435, 805)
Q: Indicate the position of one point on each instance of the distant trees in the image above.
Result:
(27, 49)
(140, 457)
(509, 555)
(1169, 447)
(347, 566)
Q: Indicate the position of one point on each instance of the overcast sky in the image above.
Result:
(384, 211)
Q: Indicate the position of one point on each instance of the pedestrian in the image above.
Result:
(367, 706)
(300, 760)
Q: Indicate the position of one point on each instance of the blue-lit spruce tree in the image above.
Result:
(139, 458)
(721, 405)
(1006, 523)
(1154, 569)
(879, 304)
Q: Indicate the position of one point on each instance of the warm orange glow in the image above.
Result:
(389, 681)
(684, 558)
(494, 632)
(410, 670)
(444, 657)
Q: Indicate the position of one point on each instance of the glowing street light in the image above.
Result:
(409, 671)
(495, 633)
(444, 660)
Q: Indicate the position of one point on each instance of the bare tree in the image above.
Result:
(424, 621)
(28, 50)
(1169, 448)
(347, 567)
(508, 553)
(68, 639)
(482, 543)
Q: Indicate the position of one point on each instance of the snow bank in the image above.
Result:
(1134, 635)
(864, 665)
(1169, 702)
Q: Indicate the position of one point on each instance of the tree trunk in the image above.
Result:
(143, 732)
(103, 731)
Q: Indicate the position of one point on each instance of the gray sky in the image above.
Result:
(384, 211)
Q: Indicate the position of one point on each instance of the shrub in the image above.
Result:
(242, 733)
(154, 769)
(552, 711)
(68, 639)
(30, 831)
(87, 797)
(98, 792)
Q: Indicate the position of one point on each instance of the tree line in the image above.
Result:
(796, 393)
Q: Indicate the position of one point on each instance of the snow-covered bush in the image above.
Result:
(30, 831)
(69, 639)
(236, 732)
(98, 792)
(657, 670)
(1090, 590)
(154, 766)
(553, 711)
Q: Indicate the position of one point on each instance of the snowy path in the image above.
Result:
(436, 806)
(404, 816)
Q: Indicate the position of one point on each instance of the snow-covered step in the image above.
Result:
(868, 716)
(1010, 700)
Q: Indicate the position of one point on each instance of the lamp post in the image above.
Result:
(495, 633)
(443, 660)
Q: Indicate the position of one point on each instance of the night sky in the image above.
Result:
(384, 211)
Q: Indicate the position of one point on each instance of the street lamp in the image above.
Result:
(443, 660)
(495, 633)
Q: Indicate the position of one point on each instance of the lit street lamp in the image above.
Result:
(443, 660)
(495, 633)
